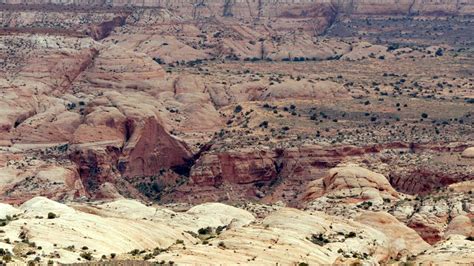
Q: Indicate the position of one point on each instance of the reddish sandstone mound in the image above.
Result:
(352, 182)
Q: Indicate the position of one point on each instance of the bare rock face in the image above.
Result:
(7, 210)
(245, 168)
(102, 30)
(404, 239)
(122, 127)
(66, 112)
(279, 103)
(460, 225)
(424, 180)
(352, 182)
(26, 177)
(217, 232)
(438, 215)
(457, 249)
(468, 153)
(234, 167)
(151, 149)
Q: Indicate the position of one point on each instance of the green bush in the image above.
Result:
(86, 255)
(238, 109)
(319, 239)
(351, 235)
(205, 231)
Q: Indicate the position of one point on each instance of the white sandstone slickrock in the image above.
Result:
(7, 210)
(284, 235)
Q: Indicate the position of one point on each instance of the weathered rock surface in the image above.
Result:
(440, 214)
(284, 104)
(468, 153)
(121, 226)
(404, 239)
(352, 182)
(455, 250)
(460, 225)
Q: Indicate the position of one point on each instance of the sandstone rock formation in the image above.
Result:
(460, 225)
(353, 183)
(276, 108)
(114, 233)
(132, 231)
(404, 240)
(468, 153)
(439, 215)
(457, 250)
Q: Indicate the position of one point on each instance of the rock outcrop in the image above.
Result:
(205, 232)
(353, 183)
(404, 239)
(438, 215)
(65, 111)
(468, 153)
(276, 108)
(457, 249)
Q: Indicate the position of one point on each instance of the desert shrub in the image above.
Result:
(351, 235)
(220, 228)
(393, 46)
(205, 231)
(238, 109)
(221, 244)
(7, 258)
(30, 252)
(86, 255)
(319, 239)
(135, 252)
